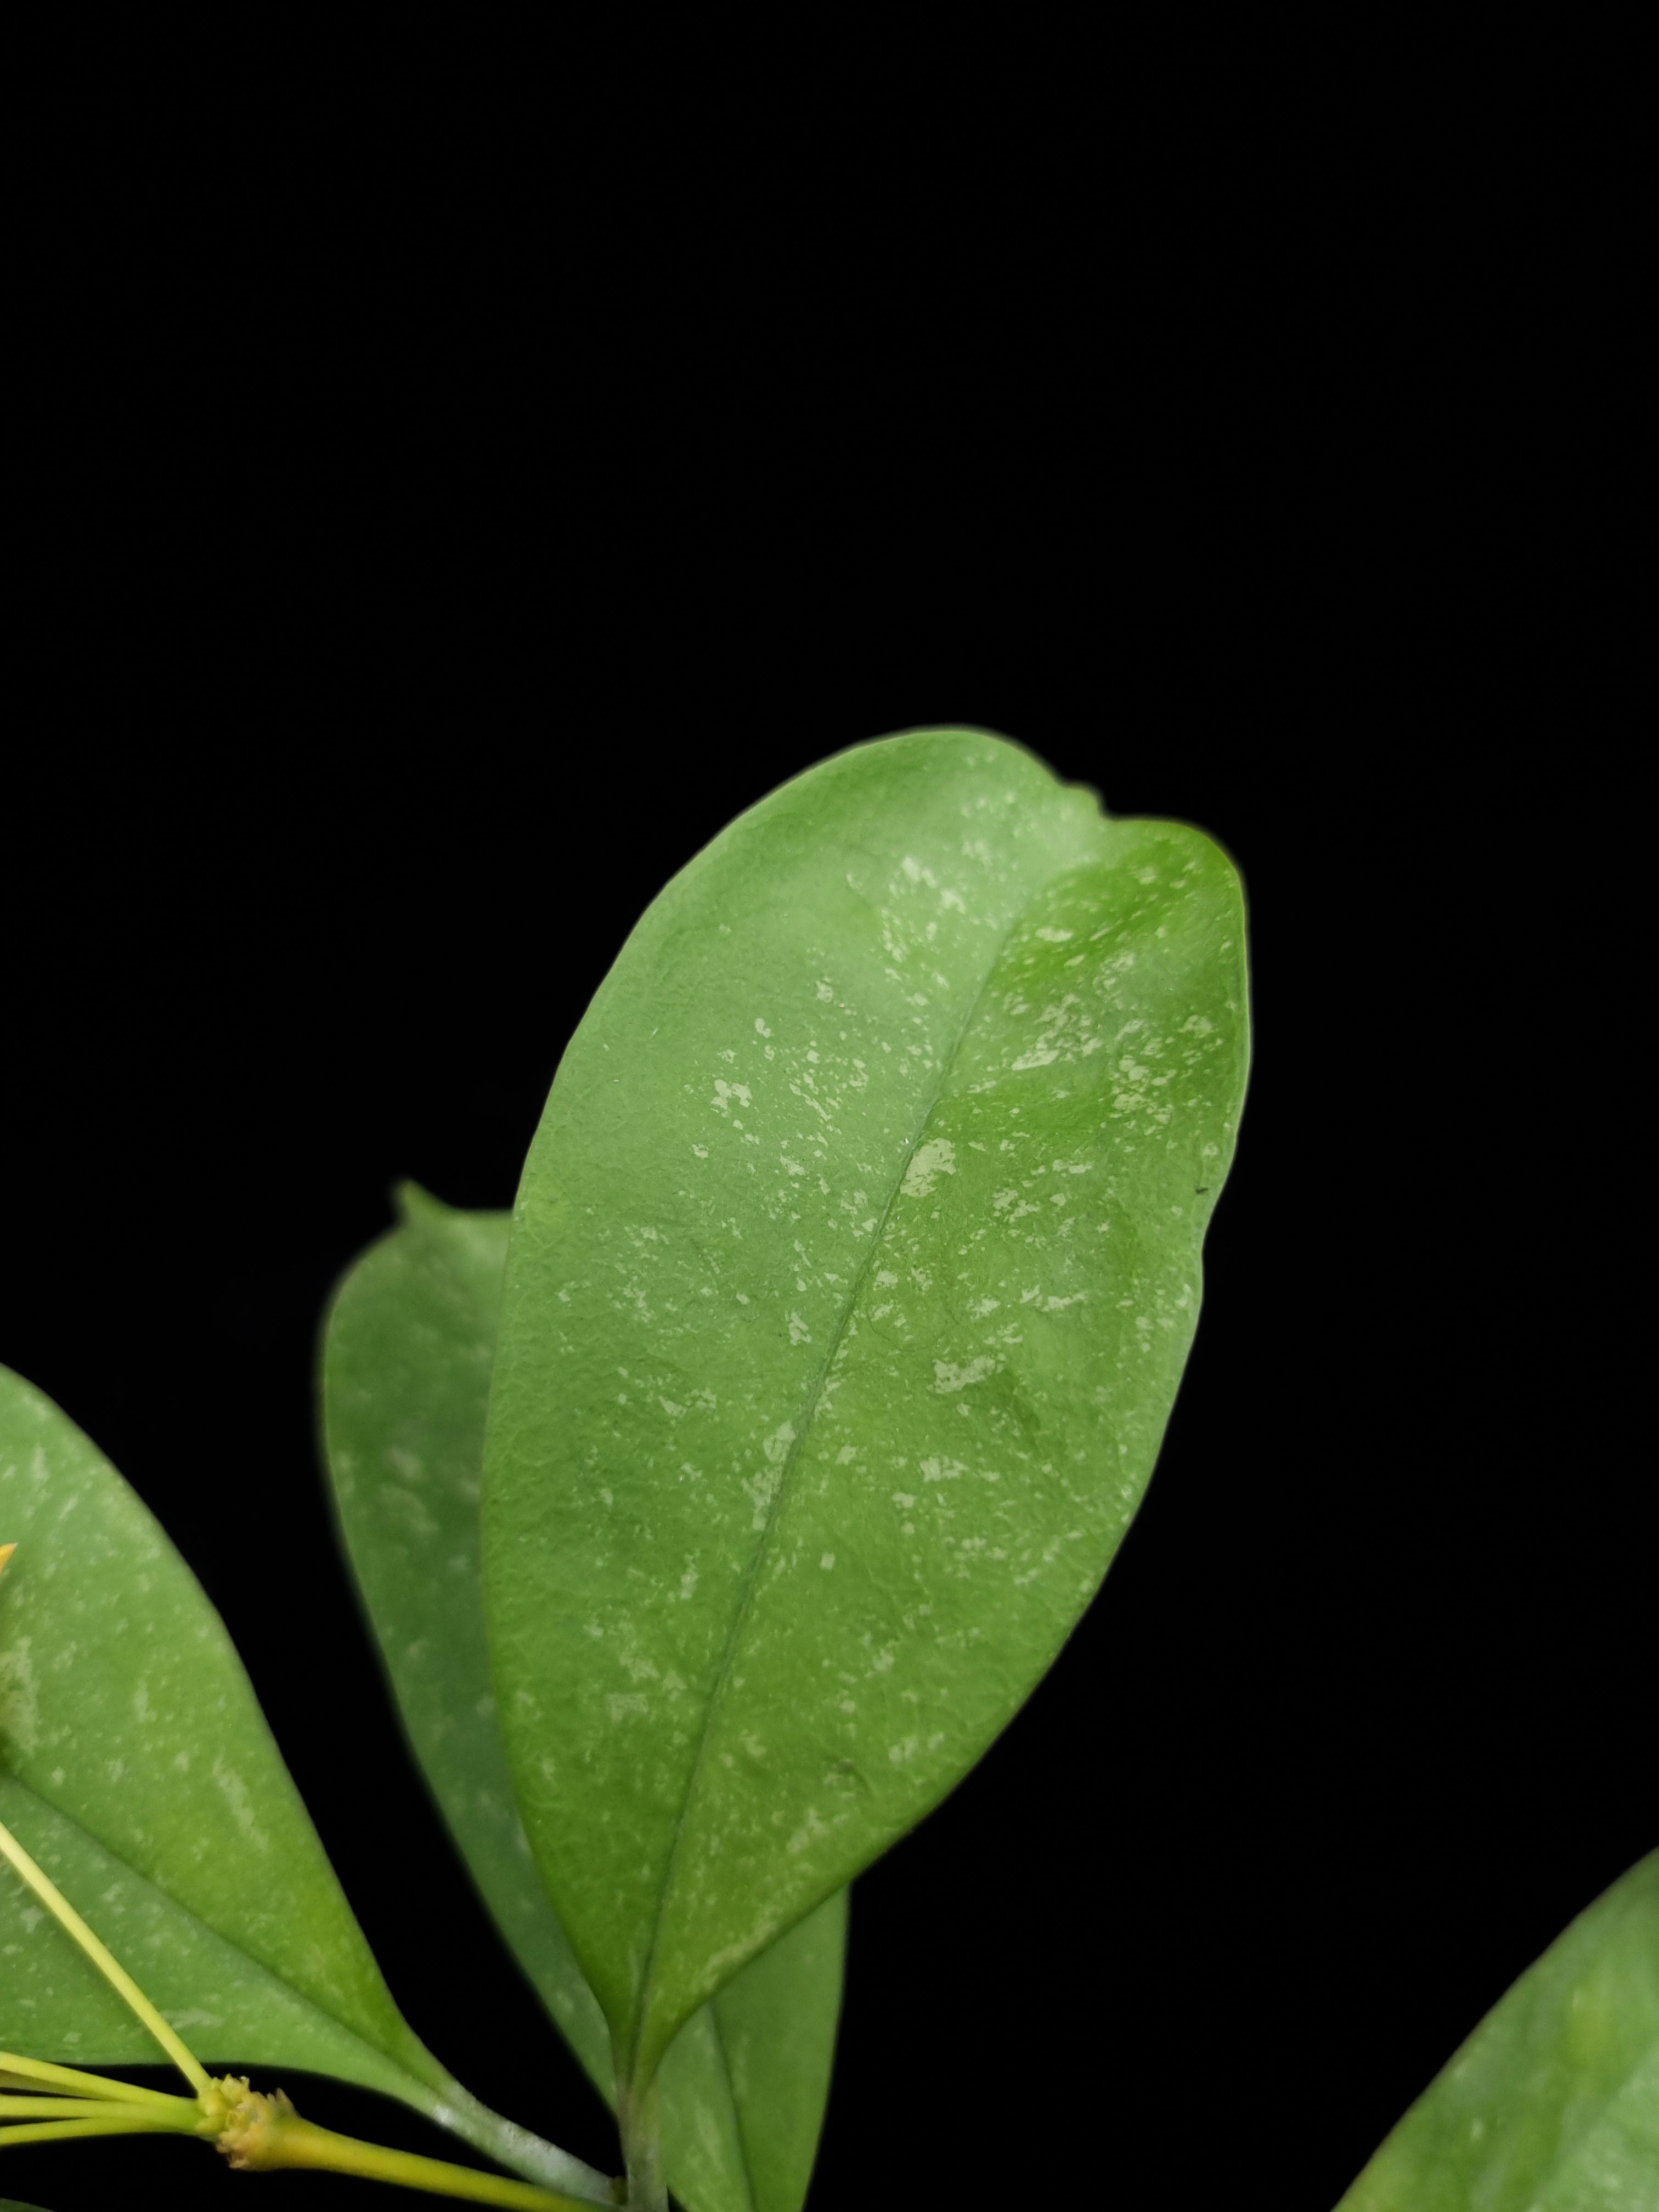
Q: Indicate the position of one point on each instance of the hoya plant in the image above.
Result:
(713, 1513)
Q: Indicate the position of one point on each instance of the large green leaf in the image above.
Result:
(853, 1273)
(135, 1766)
(1552, 2104)
(409, 1340)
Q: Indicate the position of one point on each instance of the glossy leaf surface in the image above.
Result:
(853, 1273)
(136, 1768)
(1552, 2104)
(408, 1349)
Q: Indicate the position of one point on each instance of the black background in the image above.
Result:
(473, 468)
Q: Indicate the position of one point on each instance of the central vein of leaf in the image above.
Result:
(814, 1394)
(737, 2105)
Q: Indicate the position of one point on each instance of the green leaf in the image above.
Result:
(135, 1766)
(853, 1273)
(408, 1347)
(1552, 2104)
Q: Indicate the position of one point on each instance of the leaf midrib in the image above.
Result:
(814, 1396)
(737, 2109)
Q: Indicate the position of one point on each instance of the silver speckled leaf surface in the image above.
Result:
(853, 1273)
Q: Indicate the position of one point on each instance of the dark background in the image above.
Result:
(470, 469)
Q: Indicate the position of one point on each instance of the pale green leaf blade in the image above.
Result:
(853, 1273)
(1552, 2104)
(136, 1766)
(746, 2082)
(408, 1347)
(779, 2052)
(407, 1350)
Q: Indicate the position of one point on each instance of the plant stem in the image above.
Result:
(114, 2121)
(639, 2117)
(510, 2145)
(265, 2134)
(95, 2108)
(28, 2073)
(112, 1971)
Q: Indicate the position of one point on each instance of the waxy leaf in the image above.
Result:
(1552, 2104)
(136, 1768)
(408, 1348)
(852, 1275)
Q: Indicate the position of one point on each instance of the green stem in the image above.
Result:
(273, 2136)
(110, 1967)
(130, 2121)
(508, 2144)
(17, 2073)
(95, 2108)
(639, 2115)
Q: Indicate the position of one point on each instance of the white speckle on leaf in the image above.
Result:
(947, 1376)
(235, 1792)
(936, 1157)
(19, 1708)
